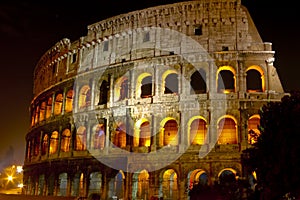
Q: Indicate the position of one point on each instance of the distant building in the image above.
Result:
(149, 103)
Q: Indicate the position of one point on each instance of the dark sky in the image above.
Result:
(28, 29)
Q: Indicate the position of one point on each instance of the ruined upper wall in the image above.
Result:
(224, 25)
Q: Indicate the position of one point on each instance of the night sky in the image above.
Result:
(28, 29)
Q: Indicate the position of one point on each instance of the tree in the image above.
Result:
(276, 156)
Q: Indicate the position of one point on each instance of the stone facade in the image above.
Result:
(149, 103)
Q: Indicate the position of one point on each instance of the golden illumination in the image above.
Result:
(231, 69)
(10, 178)
(227, 130)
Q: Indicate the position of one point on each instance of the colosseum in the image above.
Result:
(150, 103)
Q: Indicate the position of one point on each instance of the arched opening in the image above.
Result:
(42, 111)
(253, 129)
(95, 183)
(254, 81)
(170, 134)
(104, 93)
(80, 143)
(117, 185)
(99, 136)
(41, 184)
(197, 178)
(45, 144)
(119, 136)
(121, 89)
(49, 108)
(198, 132)
(146, 87)
(58, 104)
(53, 142)
(63, 183)
(145, 135)
(198, 82)
(171, 84)
(36, 115)
(140, 188)
(226, 81)
(84, 97)
(69, 101)
(227, 177)
(78, 185)
(65, 140)
(169, 185)
(227, 131)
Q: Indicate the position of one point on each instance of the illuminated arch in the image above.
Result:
(98, 136)
(142, 133)
(140, 184)
(65, 140)
(69, 101)
(253, 130)
(80, 144)
(169, 184)
(121, 89)
(119, 135)
(144, 86)
(227, 176)
(84, 96)
(169, 134)
(197, 136)
(262, 82)
(58, 104)
(222, 85)
(49, 108)
(45, 144)
(53, 142)
(197, 176)
(170, 82)
(227, 130)
(42, 111)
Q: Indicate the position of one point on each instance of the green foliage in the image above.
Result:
(276, 155)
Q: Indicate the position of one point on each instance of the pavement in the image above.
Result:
(31, 197)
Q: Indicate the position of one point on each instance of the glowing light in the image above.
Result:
(20, 185)
(19, 169)
(10, 178)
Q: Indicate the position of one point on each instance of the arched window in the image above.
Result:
(65, 140)
(104, 92)
(198, 132)
(95, 183)
(140, 185)
(226, 80)
(49, 108)
(119, 136)
(253, 129)
(171, 84)
(36, 113)
(146, 87)
(69, 101)
(121, 91)
(198, 82)
(170, 133)
(99, 136)
(227, 131)
(170, 184)
(58, 104)
(54, 142)
(80, 144)
(45, 145)
(197, 177)
(254, 81)
(145, 135)
(84, 97)
(227, 177)
(63, 183)
(42, 111)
